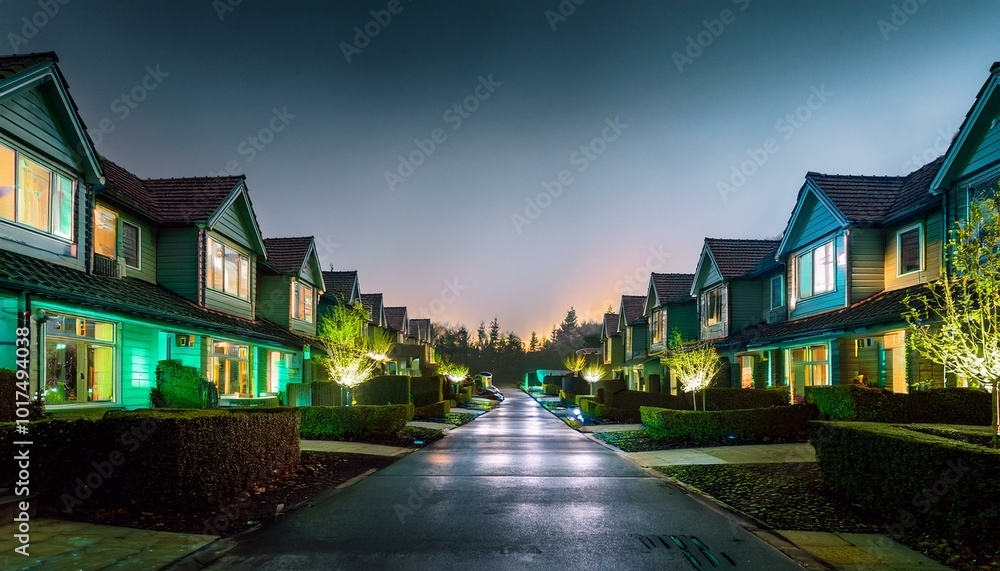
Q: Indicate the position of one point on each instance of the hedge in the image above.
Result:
(336, 422)
(926, 483)
(551, 390)
(581, 398)
(158, 459)
(568, 399)
(575, 386)
(605, 389)
(394, 389)
(591, 408)
(858, 403)
(436, 410)
(179, 386)
(9, 398)
(325, 393)
(426, 390)
(464, 395)
(750, 426)
(717, 399)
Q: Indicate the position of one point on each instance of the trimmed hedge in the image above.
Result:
(568, 399)
(158, 459)
(606, 389)
(9, 398)
(435, 410)
(551, 390)
(581, 398)
(632, 400)
(591, 408)
(717, 399)
(179, 386)
(325, 393)
(575, 386)
(751, 426)
(393, 389)
(944, 406)
(464, 395)
(336, 422)
(426, 390)
(926, 483)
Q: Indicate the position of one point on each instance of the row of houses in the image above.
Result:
(112, 273)
(823, 303)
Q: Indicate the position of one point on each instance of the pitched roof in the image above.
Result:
(340, 284)
(133, 296)
(286, 255)
(421, 329)
(737, 258)
(128, 188)
(915, 192)
(672, 288)
(373, 303)
(14, 64)
(192, 199)
(634, 306)
(610, 324)
(395, 318)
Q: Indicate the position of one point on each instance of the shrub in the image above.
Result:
(9, 397)
(325, 393)
(448, 389)
(393, 389)
(858, 403)
(436, 410)
(632, 400)
(575, 385)
(581, 398)
(426, 390)
(591, 408)
(336, 422)
(464, 396)
(179, 386)
(568, 399)
(551, 390)
(608, 388)
(759, 425)
(913, 480)
(742, 399)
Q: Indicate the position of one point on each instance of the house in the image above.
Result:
(669, 308)
(342, 286)
(738, 284)
(632, 326)
(112, 273)
(406, 355)
(611, 343)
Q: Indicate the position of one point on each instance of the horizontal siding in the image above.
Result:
(272, 299)
(138, 359)
(177, 261)
(226, 303)
(147, 250)
(933, 235)
(813, 222)
(28, 117)
(867, 259)
(987, 153)
(232, 226)
(745, 303)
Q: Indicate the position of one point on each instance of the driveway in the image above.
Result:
(516, 489)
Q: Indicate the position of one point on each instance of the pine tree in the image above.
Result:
(533, 343)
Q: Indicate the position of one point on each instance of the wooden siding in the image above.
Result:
(683, 317)
(745, 303)
(866, 261)
(932, 234)
(233, 224)
(231, 304)
(177, 261)
(273, 301)
(987, 152)
(29, 117)
(138, 363)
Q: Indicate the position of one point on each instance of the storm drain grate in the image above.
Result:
(693, 549)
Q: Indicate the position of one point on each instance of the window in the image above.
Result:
(908, 248)
(809, 366)
(777, 291)
(815, 271)
(231, 368)
(35, 196)
(746, 371)
(79, 360)
(712, 306)
(607, 351)
(657, 326)
(628, 343)
(130, 245)
(302, 302)
(229, 270)
(105, 232)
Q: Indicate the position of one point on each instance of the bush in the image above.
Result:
(575, 385)
(926, 483)
(179, 386)
(591, 408)
(426, 390)
(437, 410)
(464, 396)
(751, 426)
(858, 403)
(581, 398)
(551, 390)
(632, 400)
(325, 393)
(9, 398)
(151, 459)
(394, 389)
(607, 389)
(742, 399)
(568, 399)
(337, 422)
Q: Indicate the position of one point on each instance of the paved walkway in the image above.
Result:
(751, 454)
(352, 447)
(517, 489)
(610, 427)
(860, 551)
(70, 545)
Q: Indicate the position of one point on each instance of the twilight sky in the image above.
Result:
(887, 81)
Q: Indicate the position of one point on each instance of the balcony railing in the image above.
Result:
(105, 266)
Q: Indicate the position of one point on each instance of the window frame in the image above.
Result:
(809, 363)
(781, 291)
(707, 295)
(919, 227)
(298, 299)
(810, 255)
(55, 174)
(48, 336)
(117, 224)
(210, 277)
(138, 245)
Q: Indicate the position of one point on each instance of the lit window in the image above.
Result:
(130, 244)
(746, 371)
(79, 360)
(229, 270)
(809, 366)
(815, 271)
(777, 291)
(908, 246)
(302, 302)
(105, 232)
(712, 306)
(231, 368)
(33, 195)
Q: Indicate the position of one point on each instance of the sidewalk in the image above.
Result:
(59, 544)
(859, 551)
(609, 427)
(750, 454)
(352, 448)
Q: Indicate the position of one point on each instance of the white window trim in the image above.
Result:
(790, 365)
(770, 291)
(138, 244)
(704, 302)
(811, 251)
(919, 226)
(55, 171)
(208, 270)
(117, 344)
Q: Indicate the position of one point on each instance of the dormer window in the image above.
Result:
(228, 270)
(105, 232)
(815, 271)
(712, 306)
(35, 196)
(302, 302)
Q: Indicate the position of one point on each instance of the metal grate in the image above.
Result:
(696, 551)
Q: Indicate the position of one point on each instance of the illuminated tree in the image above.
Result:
(593, 373)
(695, 365)
(575, 362)
(351, 357)
(955, 321)
(455, 372)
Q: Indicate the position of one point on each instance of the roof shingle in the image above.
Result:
(395, 318)
(737, 258)
(340, 284)
(671, 288)
(286, 255)
(633, 306)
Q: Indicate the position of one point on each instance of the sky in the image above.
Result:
(514, 158)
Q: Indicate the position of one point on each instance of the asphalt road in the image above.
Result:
(516, 489)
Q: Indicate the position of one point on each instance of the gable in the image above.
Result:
(813, 218)
(36, 109)
(652, 300)
(312, 272)
(235, 220)
(707, 272)
(976, 146)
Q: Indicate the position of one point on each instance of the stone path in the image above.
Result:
(751, 454)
